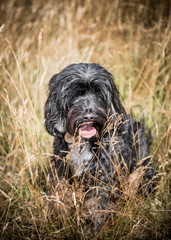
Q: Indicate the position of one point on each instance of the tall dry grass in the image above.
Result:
(37, 39)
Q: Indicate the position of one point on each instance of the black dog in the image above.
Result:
(96, 142)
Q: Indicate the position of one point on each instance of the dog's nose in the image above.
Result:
(89, 117)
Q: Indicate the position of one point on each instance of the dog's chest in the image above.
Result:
(80, 157)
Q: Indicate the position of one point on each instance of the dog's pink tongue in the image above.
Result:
(87, 130)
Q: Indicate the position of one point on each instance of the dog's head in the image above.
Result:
(80, 98)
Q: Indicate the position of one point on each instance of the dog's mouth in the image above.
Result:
(87, 130)
(79, 123)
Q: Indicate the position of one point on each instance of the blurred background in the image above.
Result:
(132, 39)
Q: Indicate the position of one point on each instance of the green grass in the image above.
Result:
(38, 39)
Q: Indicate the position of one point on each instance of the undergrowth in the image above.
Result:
(39, 38)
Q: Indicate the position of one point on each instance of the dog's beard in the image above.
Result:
(85, 125)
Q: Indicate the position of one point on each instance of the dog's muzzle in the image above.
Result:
(86, 125)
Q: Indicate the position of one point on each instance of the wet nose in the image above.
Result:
(89, 117)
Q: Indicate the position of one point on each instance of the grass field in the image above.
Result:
(132, 39)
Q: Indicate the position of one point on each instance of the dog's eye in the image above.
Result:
(100, 96)
(77, 94)
(81, 92)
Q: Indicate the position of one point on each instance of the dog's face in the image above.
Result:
(80, 98)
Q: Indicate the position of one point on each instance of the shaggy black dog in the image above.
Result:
(96, 142)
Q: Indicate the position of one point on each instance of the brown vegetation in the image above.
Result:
(132, 39)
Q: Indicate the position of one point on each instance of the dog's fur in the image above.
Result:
(85, 95)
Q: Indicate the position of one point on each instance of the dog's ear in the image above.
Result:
(55, 121)
(116, 105)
